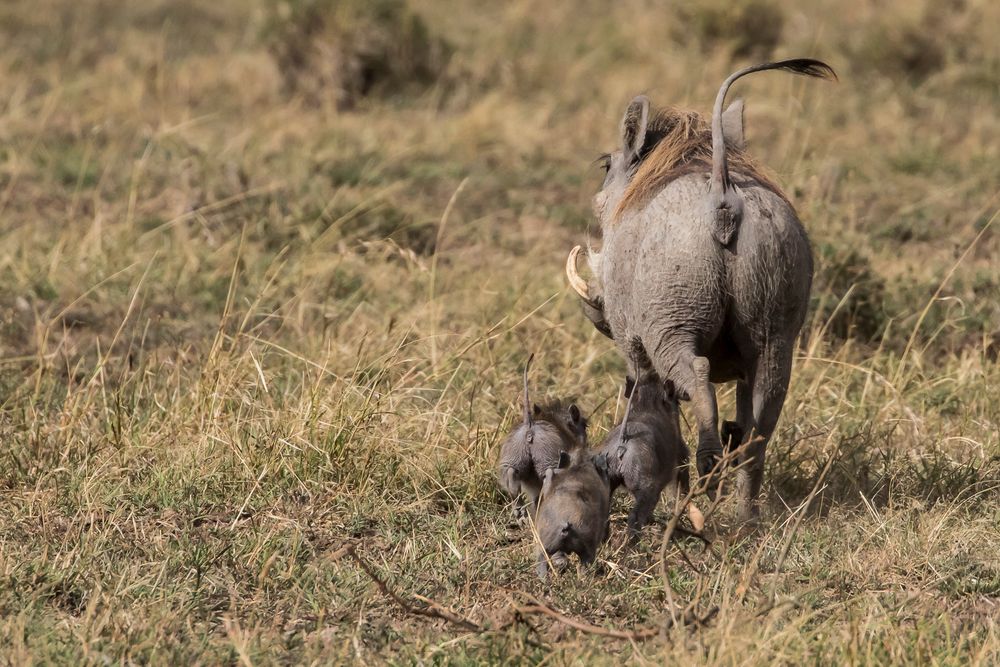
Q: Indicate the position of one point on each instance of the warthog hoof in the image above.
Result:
(732, 435)
(559, 563)
(749, 513)
(708, 459)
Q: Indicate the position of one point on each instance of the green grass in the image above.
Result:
(239, 333)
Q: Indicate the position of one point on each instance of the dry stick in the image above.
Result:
(636, 635)
(672, 527)
(683, 553)
(699, 488)
(640, 634)
(805, 505)
(432, 610)
(754, 563)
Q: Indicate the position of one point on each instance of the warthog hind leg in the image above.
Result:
(706, 414)
(769, 388)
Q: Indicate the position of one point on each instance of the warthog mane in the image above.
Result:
(679, 142)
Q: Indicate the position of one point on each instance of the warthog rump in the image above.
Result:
(705, 270)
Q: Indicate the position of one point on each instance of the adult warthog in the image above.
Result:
(705, 269)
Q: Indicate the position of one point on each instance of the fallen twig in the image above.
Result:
(583, 626)
(432, 610)
(721, 468)
(684, 532)
(800, 512)
(639, 634)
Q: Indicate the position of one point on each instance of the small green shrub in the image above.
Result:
(348, 50)
(914, 47)
(748, 28)
(895, 49)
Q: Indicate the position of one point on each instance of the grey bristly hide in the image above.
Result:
(646, 453)
(707, 280)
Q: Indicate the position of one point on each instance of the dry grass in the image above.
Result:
(241, 333)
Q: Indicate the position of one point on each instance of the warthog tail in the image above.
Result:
(803, 66)
(527, 401)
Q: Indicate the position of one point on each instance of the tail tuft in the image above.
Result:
(726, 206)
(805, 67)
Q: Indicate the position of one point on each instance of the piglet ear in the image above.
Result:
(601, 463)
(564, 460)
(535, 409)
(670, 389)
(574, 413)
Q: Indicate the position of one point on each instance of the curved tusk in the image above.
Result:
(578, 284)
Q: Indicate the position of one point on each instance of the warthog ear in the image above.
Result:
(671, 389)
(601, 463)
(564, 460)
(574, 413)
(634, 128)
(732, 125)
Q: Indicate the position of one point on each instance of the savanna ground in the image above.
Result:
(270, 273)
